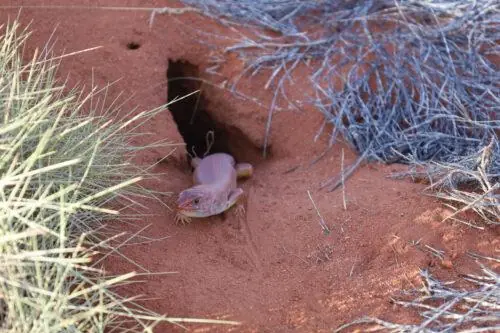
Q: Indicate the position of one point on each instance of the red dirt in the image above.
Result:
(276, 271)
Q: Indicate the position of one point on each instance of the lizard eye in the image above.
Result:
(196, 201)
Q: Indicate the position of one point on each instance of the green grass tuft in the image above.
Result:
(65, 161)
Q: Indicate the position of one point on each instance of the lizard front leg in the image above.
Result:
(233, 198)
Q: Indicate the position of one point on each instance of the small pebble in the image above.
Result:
(446, 263)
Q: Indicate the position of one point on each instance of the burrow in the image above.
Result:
(201, 125)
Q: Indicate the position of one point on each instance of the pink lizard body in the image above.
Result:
(215, 187)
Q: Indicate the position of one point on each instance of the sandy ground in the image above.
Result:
(275, 270)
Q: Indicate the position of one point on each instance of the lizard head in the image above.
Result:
(196, 201)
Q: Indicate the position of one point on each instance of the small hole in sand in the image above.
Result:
(133, 46)
(197, 123)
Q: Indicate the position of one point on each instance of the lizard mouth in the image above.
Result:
(184, 206)
(187, 209)
(190, 212)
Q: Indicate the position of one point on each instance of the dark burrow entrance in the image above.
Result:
(201, 132)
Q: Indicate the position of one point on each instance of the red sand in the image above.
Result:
(276, 271)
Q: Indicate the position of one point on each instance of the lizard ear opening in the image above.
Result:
(201, 117)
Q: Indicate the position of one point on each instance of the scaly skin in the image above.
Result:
(215, 188)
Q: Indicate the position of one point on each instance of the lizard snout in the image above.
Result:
(182, 203)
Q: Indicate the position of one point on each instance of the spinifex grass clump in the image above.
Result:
(59, 172)
(405, 81)
(57, 168)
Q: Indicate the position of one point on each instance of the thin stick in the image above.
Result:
(322, 223)
(346, 174)
(343, 184)
(477, 256)
(352, 269)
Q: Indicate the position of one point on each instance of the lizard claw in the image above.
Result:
(182, 219)
(240, 210)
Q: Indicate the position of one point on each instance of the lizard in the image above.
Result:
(215, 187)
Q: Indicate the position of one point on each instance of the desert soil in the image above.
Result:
(275, 270)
